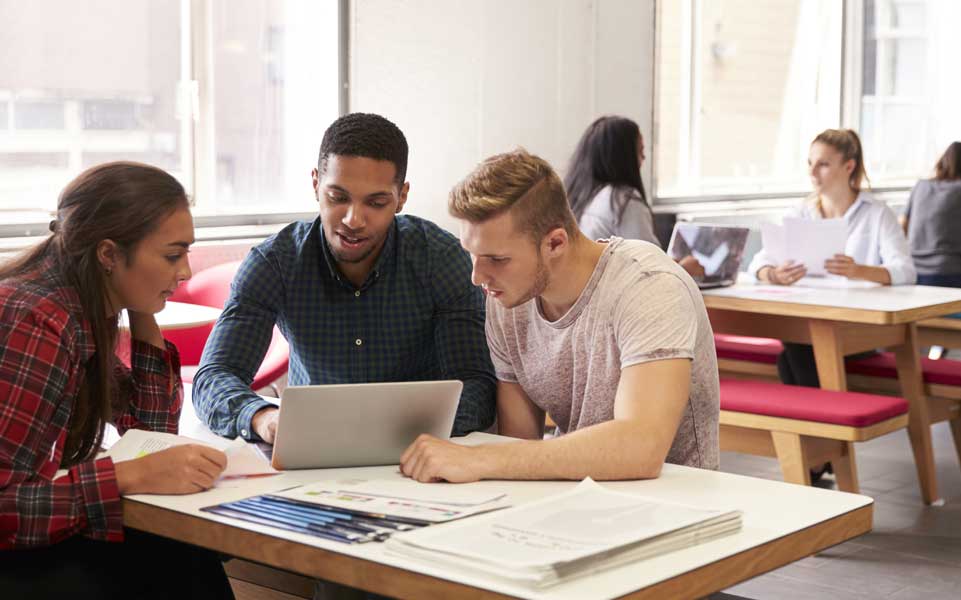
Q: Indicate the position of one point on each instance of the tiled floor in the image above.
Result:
(914, 550)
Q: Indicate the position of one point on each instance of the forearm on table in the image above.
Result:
(615, 450)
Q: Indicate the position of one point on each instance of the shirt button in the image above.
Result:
(358, 341)
(243, 432)
(357, 293)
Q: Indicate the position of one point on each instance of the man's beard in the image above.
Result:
(541, 280)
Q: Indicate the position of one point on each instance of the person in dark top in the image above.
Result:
(361, 293)
(931, 221)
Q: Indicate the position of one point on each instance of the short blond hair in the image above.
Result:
(519, 182)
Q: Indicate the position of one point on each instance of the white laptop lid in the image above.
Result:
(362, 424)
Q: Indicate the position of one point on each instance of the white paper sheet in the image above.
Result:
(243, 459)
(805, 241)
(813, 241)
(435, 503)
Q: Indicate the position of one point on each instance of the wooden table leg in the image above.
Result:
(826, 340)
(919, 421)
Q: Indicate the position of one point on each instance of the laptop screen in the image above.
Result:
(718, 248)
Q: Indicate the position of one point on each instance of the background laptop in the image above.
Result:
(362, 424)
(719, 249)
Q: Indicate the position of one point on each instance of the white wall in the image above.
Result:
(465, 79)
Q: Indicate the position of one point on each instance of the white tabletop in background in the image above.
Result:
(890, 298)
(771, 510)
(180, 315)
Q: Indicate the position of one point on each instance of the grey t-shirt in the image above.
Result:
(638, 306)
(934, 212)
(602, 221)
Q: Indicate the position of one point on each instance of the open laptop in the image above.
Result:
(719, 249)
(363, 424)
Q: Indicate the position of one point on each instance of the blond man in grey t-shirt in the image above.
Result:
(611, 339)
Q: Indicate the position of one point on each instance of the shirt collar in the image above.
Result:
(853, 209)
(380, 265)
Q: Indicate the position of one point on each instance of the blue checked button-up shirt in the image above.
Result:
(417, 317)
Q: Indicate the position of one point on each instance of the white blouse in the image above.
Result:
(874, 238)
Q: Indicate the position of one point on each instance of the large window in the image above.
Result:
(744, 85)
(231, 96)
(909, 95)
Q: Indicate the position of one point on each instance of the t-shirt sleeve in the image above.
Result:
(497, 342)
(655, 319)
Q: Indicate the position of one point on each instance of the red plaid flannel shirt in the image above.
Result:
(44, 344)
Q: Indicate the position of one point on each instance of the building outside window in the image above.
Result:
(231, 97)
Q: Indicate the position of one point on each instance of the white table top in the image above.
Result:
(771, 510)
(887, 299)
(180, 315)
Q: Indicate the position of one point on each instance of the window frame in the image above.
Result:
(851, 57)
(195, 112)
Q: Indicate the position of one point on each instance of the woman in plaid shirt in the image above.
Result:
(120, 241)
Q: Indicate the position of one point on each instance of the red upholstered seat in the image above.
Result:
(809, 404)
(944, 371)
(738, 347)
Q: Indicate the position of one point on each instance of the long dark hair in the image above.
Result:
(606, 155)
(119, 201)
(949, 165)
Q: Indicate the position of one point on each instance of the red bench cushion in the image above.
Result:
(738, 347)
(809, 404)
(944, 371)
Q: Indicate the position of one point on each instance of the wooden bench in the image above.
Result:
(805, 427)
(741, 357)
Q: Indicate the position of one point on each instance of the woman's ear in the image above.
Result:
(108, 255)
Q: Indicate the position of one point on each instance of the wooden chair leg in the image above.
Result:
(790, 454)
(956, 432)
(846, 470)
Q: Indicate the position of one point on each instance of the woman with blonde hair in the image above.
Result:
(876, 249)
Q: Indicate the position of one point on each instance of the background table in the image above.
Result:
(844, 321)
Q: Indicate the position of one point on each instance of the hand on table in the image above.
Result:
(430, 459)
(179, 470)
(692, 266)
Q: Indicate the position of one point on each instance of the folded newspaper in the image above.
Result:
(585, 530)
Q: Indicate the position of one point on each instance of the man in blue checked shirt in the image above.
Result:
(360, 293)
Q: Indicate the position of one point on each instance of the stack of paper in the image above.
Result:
(809, 242)
(585, 530)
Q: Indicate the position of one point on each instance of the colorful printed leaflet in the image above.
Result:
(348, 526)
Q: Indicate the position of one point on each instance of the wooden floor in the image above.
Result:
(914, 550)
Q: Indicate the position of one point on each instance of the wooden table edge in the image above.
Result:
(830, 313)
(395, 581)
(753, 562)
